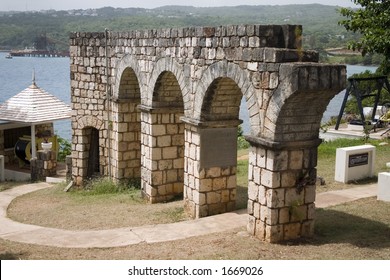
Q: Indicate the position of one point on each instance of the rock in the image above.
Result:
(320, 181)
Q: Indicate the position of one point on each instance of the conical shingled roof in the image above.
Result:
(34, 105)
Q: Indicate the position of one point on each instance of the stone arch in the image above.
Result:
(222, 101)
(128, 87)
(126, 64)
(91, 121)
(283, 170)
(90, 135)
(167, 92)
(241, 77)
(211, 141)
(169, 68)
(162, 173)
(126, 128)
(295, 109)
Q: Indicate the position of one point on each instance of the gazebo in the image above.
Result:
(34, 106)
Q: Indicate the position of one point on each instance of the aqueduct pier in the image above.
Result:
(163, 106)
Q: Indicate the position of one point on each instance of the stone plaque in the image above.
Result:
(354, 163)
(358, 159)
(218, 147)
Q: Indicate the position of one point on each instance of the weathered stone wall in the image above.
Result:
(185, 52)
(162, 99)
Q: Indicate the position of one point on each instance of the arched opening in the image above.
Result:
(92, 150)
(163, 141)
(222, 101)
(167, 92)
(212, 153)
(128, 86)
(127, 128)
(89, 149)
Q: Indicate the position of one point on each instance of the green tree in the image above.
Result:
(372, 20)
(241, 142)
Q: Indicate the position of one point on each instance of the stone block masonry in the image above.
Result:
(162, 153)
(282, 191)
(45, 165)
(163, 105)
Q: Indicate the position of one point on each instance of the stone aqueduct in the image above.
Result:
(163, 106)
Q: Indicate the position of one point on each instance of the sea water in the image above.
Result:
(53, 75)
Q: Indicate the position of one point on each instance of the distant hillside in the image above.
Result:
(320, 23)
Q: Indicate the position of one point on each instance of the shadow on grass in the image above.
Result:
(9, 256)
(333, 226)
(365, 181)
(241, 197)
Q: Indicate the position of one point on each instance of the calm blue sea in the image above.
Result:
(52, 75)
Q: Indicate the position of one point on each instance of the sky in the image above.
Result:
(34, 5)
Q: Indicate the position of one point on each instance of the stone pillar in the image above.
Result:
(210, 166)
(162, 153)
(44, 166)
(34, 169)
(2, 168)
(126, 144)
(281, 190)
(1, 142)
(68, 162)
(80, 155)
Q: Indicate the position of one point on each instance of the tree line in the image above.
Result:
(320, 22)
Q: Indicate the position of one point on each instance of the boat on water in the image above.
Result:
(8, 56)
(43, 46)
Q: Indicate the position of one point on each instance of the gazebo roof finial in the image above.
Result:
(33, 77)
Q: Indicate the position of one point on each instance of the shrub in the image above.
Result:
(65, 149)
(105, 185)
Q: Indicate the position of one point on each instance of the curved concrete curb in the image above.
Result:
(33, 234)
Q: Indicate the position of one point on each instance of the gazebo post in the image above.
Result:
(33, 144)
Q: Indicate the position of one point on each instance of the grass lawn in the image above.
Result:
(99, 208)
